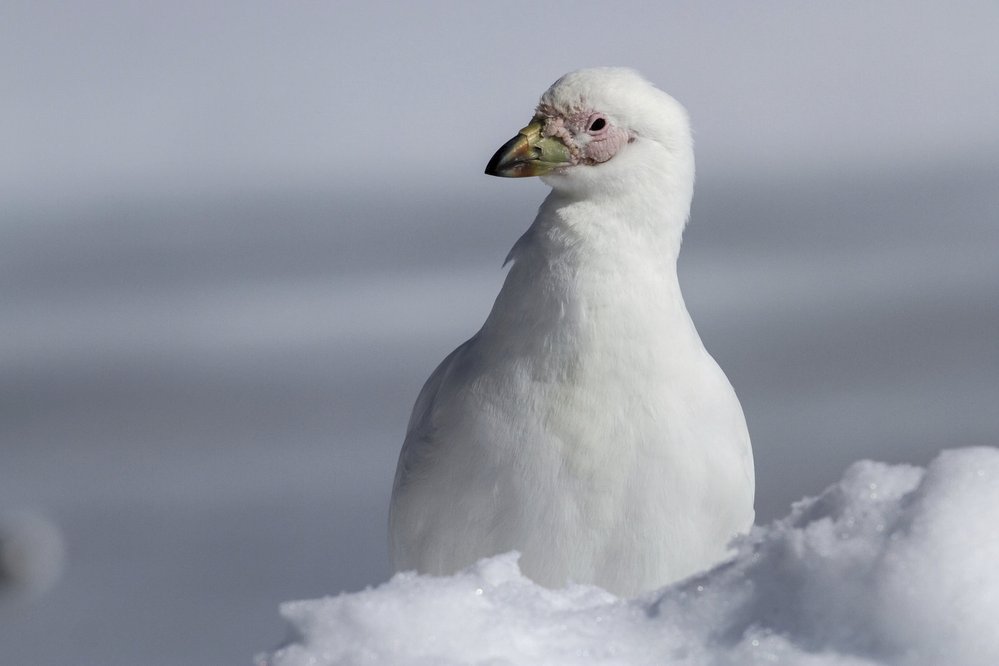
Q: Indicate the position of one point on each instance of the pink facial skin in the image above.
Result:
(590, 136)
(605, 139)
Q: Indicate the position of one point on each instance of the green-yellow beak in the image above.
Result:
(529, 154)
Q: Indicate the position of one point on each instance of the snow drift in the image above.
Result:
(32, 554)
(892, 565)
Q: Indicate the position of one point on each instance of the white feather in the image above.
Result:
(585, 425)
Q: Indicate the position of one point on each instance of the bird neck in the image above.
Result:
(597, 270)
(616, 226)
(641, 197)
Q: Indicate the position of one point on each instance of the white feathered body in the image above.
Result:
(584, 425)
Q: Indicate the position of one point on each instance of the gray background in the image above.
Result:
(236, 238)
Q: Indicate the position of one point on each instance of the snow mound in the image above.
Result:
(32, 554)
(892, 565)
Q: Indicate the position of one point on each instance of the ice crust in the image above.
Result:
(891, 565)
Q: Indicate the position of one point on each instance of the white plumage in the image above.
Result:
(584, 425)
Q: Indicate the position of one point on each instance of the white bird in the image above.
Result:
(584, 425)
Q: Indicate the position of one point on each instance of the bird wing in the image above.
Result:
(421, 431)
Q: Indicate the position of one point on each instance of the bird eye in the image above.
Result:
(597, 124)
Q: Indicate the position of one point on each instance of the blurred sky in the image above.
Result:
(112, 97)
(236, 237)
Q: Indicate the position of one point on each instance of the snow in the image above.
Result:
(891, 565)
(32, 553)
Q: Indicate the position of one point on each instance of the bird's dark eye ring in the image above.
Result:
(597, 124)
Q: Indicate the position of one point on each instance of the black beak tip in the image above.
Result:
(492, 169)
(504, 163)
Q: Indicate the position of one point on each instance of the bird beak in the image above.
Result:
(529, 154)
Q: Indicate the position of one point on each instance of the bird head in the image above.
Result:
(601, 128)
